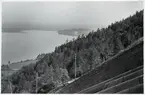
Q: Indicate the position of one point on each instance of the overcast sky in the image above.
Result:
(59, 15)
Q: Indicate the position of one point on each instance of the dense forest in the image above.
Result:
(55, 69)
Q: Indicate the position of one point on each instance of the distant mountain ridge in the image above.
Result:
(89, 51)
(74, 31)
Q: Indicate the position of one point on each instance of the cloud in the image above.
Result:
(17, 16)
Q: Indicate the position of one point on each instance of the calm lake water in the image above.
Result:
(28, 44)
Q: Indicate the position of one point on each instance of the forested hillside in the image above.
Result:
(56, 68)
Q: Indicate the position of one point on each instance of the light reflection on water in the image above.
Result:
(27, 45)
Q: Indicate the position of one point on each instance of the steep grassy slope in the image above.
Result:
(91, 50)
(128, 59)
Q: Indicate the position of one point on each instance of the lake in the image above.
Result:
(28, 44)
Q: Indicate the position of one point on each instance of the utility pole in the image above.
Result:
(52, 72)
(10, 86)
(36, 82)
(75, 65)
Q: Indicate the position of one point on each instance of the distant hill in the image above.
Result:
(87, 51)
(6, 70)
(5, 67)
(74, 32)
(18, 65)
(13, 67)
